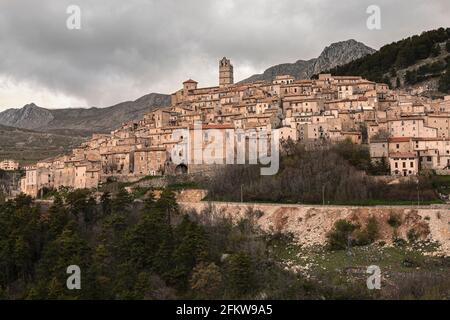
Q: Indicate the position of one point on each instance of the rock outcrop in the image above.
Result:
(310, 224)
(336, 54)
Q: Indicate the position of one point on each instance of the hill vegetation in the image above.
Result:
(336, 173)
(383, 65)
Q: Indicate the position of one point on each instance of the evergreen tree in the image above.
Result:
(122, 201)
(436, 50)
(444, 82)
(191, 248)
(106, 203)
(240, 275)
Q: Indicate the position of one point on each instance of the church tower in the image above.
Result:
(225, 73)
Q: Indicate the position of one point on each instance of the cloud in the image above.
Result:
(126, 49)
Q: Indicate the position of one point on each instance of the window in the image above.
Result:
(412, 164)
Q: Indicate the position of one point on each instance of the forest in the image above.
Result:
(384, 64)
(125, 251)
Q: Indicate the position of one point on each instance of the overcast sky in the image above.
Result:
(126, 49)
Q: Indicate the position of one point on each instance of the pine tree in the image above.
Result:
(121, 201)
(444, 81)
(106, 204)
(240, 275)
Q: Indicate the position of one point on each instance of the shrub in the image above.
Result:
(399, 242)
(339, 236)
(206, 280)
(394, 220)
(372, 229)
(412, 235)
(369, 234)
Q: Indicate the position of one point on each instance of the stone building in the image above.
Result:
(9, 165)
(225, 73)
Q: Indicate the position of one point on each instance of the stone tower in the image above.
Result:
(225, 72)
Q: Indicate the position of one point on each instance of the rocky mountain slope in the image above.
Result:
(310, 224)
(419, 62)
(28, 146)
(79, 120)
(336, 54)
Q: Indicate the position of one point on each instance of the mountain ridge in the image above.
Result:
(90, 120)
(335, 54)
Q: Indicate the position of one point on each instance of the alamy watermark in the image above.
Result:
(374, 280)
(74, 280)
(214, 145)
(73, 22)
(374, 20)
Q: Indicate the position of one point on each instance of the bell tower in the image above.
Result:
(225, 73)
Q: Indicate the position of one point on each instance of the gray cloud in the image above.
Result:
(129, 48)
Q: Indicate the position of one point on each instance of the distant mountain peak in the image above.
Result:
(30, 105)
(337, 53)
(94, 119)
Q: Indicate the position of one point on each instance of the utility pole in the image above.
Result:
(323, 194)
(242, 193)
(418, 195)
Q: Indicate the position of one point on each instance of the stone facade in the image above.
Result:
(9, 165)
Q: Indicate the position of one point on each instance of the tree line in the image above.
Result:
(129, 250)
(332, 173)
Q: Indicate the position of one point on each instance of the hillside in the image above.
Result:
(83, 121)
(334, 55)
(28, 146)
(417, 60)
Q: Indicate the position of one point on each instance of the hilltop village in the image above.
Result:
(409, 132)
